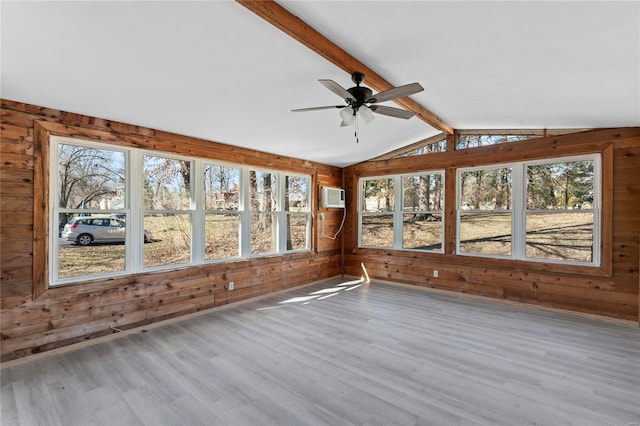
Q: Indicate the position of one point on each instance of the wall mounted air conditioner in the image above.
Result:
(332, 198)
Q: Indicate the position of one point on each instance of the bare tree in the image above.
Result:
(86, 174)
(167, 183)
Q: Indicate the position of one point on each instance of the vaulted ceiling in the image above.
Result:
(219, 71)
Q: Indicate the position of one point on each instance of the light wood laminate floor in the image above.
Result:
(339, 353)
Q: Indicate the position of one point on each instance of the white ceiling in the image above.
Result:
(215, 70)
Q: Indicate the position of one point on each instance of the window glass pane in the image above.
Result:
(422, 193)
(560, 186)
(377, 230)
(90, 184)
(90, 245)
(90, 178)
(560, 236)
(221, 187)
(262, 191)
(263, 233)
(485, 233)
(422, 231)
(473, 141)
(171, 241)
(378, 195)
(486, 189)
(297, 196)
(167, 183)
(437, 146)
(222, 236)
(297, 231)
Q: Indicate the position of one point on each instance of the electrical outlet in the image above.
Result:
(435, 273)
(230, 286)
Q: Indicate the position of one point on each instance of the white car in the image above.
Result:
(85, 230)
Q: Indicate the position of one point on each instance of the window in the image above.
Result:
(542, 211)
(222, 197)
(87, 180)
(378, 211)
(560, 215)
(437, 143)
(167, 210)
(263, 205)
(297, 211)
(422, 202)
(413, 223)
(280, 212)
(485, 211)
(476, 138)
(465, 141)
(118, 211)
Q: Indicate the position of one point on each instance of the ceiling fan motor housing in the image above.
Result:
(361, 94)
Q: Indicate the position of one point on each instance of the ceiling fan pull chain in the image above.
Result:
(356, 129)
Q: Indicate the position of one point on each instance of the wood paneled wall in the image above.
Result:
(70, 314)
(611, 290)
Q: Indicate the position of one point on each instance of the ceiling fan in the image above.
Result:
(361, 102)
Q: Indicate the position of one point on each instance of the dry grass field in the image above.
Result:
(171, 244)
(557, 236)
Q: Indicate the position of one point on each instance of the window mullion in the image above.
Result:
(135, 244)
(397, 212)
(197, 208)
(519, 214)
(281, 214)
(245, 214)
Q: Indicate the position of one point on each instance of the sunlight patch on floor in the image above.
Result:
(298, 299)
(328, 290)
(353, 282)
(321, 294)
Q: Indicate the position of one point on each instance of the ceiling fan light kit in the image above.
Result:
(358, 97)
(348, 116)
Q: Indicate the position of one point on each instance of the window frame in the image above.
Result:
(54, 212)
(516, 135)
(204, 211)
(519, 209)
(398, 210)
(46, 167)
(287, 213)
(459, 210)
(139, 211)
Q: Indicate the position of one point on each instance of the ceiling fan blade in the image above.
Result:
(391, 111)
(337, 89)
(396, 92)
(318, 108)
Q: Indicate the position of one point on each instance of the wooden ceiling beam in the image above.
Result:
(295, 27)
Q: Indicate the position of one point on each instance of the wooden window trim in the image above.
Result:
(41, 153)
(42, 133)
(606, 210)
(605, 269)
(45, 130)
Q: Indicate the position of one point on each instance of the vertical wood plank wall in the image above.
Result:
(69, 314)
(610, 291)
